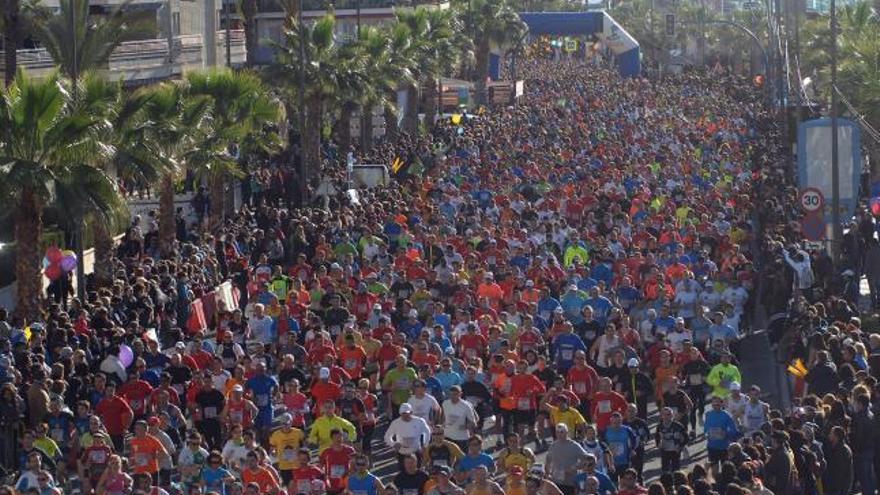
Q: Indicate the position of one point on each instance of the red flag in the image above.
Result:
(196, 321)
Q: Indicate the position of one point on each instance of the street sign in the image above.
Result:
(812, 200)
(670, 24)
(813, 226)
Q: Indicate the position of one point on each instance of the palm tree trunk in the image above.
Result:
(411, 116)
(11, 10)
(345, 130)
(28, 231)
(103, 254)
(431, 105)
(366, 127)
(312, 140)
(391, 129)
(251, 41)
(482, 71)
(167, 229)
(217, 183)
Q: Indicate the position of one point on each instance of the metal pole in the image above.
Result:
(835, 166)
(78, 230)
(358, 6)
(227, 8)
(302, 105)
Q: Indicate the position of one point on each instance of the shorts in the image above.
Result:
(524, 417)
(264, 419)
(716, 456)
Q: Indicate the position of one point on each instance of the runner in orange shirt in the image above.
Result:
(146, 451)
(254, 473)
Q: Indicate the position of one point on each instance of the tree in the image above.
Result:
(240, 109)
(491, 23)
(79, 42)
(388, 65)
(47, 145)
(248, 10)
(324, 69)
(16, 21)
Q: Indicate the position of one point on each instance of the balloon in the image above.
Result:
(68, 263)
(875, 206)
(54, 254)
(126, 356)
(53, 272)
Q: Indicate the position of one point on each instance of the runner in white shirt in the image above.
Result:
(459, 417)
(735, 404)
(424, 405)
(407, 434)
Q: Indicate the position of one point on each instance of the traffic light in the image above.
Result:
(670, 24)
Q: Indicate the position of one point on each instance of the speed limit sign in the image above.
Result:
(812, 200)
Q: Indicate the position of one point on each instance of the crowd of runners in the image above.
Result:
(554, 303)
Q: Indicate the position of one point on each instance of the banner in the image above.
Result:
(814, 162)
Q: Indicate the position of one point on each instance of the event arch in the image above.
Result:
(624, 47)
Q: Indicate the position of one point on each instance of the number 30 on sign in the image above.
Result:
(812, 200)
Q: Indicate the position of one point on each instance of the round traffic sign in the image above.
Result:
(812, 200)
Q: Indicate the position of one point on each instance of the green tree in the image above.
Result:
(47, 147)
(241, 109)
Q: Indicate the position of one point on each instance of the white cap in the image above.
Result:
(413, 313)
(237, 388)
(734, 386)
(633, 363)
(324, 373)
(405, 408)
(530, 283)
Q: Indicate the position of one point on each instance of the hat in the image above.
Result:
(180, 346)
(633, 363)
(537, 469)
(572, 287)
(530, 283)
(324, 373)
(735, 386)
(413, 313)
(405, 408)
(237, 388)
(562, 427)
(377, 306)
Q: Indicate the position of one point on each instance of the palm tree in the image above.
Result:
(17, 18)
(79, 42)
(241, 109)
(387, 65)
(173, 129)
(323, 70)
(248, 10)
(491, 23)
(46, 146)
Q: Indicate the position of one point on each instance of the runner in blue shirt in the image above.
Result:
(362, 481)
(622, 441)
(215, 476)
(720, 430)
(262, 387)
(564, 347)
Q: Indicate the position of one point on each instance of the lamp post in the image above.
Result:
(304, 187)
(227, 7)
(835, 165)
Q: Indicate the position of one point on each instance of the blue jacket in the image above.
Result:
(720, 430)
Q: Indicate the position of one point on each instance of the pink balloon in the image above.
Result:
(53, 272)
(126, 356)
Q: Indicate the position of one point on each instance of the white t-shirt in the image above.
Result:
(457, 417)
(423, 407)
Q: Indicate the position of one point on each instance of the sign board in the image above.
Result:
(814, 161)
(670, 24)
(813, 227)
(812, 200)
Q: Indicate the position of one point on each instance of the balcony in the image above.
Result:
(271, 8)
(138, 62)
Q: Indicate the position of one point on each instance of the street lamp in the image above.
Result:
(835, 166)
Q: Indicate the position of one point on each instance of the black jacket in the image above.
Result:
(838, 477)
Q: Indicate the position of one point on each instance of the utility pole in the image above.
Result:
(358, 7)
(304, 167)
(78, 240)
(835, 165)
(227, 6)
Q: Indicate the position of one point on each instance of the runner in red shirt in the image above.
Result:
(324, 390)
(525, 388)
(136, 391)
(605, 403)
(472, 344)
(116, 415)
(583, 380)
(306, 473)
(336, 460)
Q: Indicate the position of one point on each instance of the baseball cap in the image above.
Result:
(633, 363)
(237, 388)
(735, 386)
(324, 373)
(405, 408)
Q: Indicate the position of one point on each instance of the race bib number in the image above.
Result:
(289, 455)
(303, 486)
(262, 400)
(98, 457)
(402, 384)
(236, 416)
(618, 449)
(351, 364)
(337, 471)
(58, 434)
(717, 433)
(141, 459)
(580, 387)
(524, 404)
(567, 354)
(695, 379)
(604, 406)
(410, 442)
(668, 445)
(210, 412)
(440, 462)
